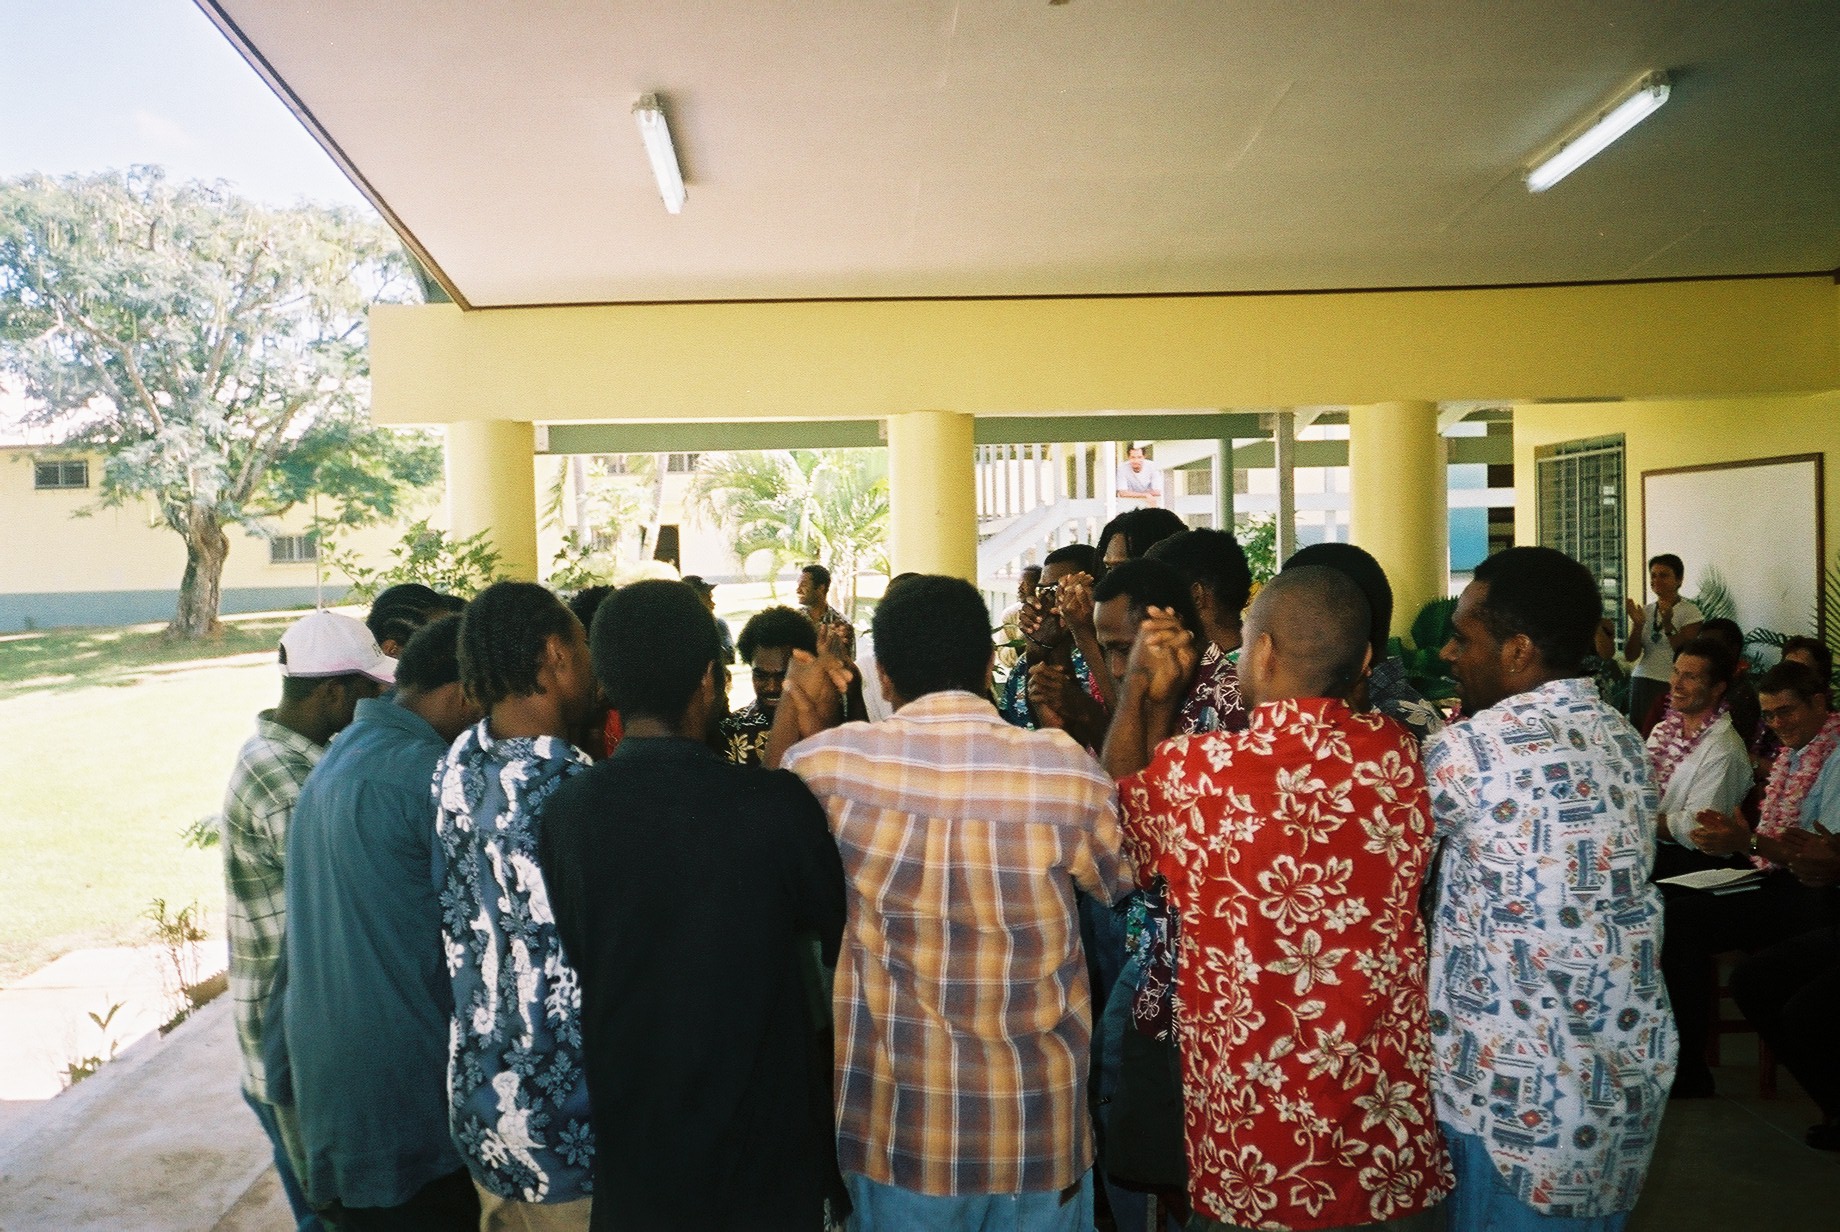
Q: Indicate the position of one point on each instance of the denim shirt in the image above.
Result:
(517, 1091)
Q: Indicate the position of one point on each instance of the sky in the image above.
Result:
(87, 85)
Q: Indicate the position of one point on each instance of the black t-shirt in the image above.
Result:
(687, 892)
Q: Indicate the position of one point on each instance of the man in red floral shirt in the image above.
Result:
(1294, 852)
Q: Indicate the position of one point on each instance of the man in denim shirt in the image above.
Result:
(517, 1092)
(366, 997)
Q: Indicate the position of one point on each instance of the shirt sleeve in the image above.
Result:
(1823, 803)
(1719, 778)
(1149, 823)
(814, 868)
(1100, 866)
(1453, 779)
(1685, 613)
(268, 814)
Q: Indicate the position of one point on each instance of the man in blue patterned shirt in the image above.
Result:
(1550, 1023)
(517, 1093)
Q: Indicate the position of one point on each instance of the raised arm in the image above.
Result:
(1162, 662)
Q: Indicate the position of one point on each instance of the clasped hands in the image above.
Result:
(1163, 659)
(817, 685)
(1812, 856)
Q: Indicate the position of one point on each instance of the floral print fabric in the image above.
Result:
(1294, 852)
(745, 734)
(1555, 1043)
(517, 1092)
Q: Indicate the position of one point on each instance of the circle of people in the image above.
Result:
(1202, 907)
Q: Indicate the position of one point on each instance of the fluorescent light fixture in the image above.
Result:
(656, 134)
(1629, 110)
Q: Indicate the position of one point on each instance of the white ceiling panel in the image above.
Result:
(841, 148)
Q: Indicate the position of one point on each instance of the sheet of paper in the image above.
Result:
(1715, 879)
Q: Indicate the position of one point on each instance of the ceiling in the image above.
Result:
(845, 149)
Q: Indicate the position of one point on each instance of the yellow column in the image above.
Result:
(1400, 509)
(491, 486)
(932, 494)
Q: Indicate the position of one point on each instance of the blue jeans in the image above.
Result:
(886, 1208)
(1483, 1202)
(304, 1218)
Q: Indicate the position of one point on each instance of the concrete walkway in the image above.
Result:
(45, 1017)
(158, 1141)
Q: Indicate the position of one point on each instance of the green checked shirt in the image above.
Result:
(269, 771)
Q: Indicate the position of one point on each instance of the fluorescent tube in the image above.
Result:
(657, 137)
(1624, 114)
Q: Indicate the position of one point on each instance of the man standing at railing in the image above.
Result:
(1140, 479)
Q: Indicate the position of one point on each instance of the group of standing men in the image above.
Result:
(523, 990)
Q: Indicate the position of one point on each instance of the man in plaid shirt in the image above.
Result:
(329, 663)
(962, 1010)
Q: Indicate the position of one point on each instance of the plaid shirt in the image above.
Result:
(266, 782)
(962, 1010)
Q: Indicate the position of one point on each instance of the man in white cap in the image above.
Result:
(328, 664)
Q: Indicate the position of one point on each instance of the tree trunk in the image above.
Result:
(206, 547)
(661, 463)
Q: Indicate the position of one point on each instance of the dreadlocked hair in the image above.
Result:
(503, 634)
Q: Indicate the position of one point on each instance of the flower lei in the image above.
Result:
(1782, 800)
(1672, 745)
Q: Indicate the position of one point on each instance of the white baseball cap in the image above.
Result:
(328, 644)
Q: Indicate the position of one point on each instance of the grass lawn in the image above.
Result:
(115, 741)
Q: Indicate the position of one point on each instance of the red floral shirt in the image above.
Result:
(1294, 852)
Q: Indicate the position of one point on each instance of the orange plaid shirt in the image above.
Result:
(962, 1010)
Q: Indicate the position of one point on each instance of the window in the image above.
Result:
(60, 475)
(1581, 511)
(682, 463)
(293, 549)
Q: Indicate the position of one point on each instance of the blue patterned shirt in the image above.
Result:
(517, 1095)
(1553, 1037)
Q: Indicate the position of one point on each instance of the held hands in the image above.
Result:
(1050, 691)
(815, 687)
(1041, 628)
(832, 641)
(1076, 602)
(1163, 658)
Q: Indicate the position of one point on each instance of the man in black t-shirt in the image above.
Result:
(686, 891)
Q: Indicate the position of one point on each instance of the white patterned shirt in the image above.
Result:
(1553, 1037)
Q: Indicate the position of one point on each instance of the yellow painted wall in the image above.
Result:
(1661, 435)
(811, 360)
(47, 550)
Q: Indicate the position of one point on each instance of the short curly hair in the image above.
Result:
(1142, 529)
(652, 643)
(932, 633)
(432, 658)
(1546, 595)
(776, 626)
(503, 634)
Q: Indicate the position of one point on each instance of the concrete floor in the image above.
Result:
(160, 1141)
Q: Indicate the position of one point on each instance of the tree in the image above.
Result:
(795, 505)
(1258, 538)
(214, 350)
